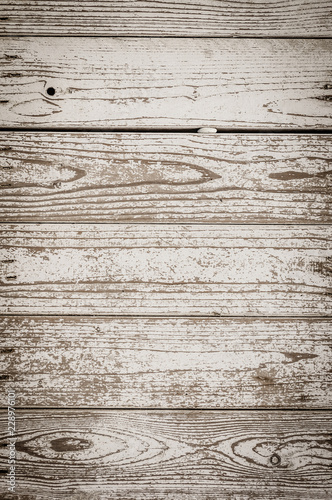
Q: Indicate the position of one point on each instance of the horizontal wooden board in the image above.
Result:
(303, 18)
(103, 177)
(147, 269)
(166, 363)
(142, 83)
(174, 455)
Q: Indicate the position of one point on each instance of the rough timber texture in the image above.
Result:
(167, 363)
(103, 177)
(165, 83)
(165, 269)
(173, 455)
(124, 278)
(193, 18)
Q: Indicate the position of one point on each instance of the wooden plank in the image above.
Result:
(142, 83)
(166, 269)
(166, 363)
(172, 454)
(89, 177)
(198, 18)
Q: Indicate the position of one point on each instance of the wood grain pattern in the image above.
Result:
(195, 18)
(166, 269)
(103, 177)
(137, 83)
(167, 363)
(173, 455)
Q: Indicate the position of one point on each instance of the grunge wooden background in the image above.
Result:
(165, 294)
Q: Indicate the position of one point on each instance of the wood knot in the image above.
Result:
(323, 267)
(275, 459)
(66, 444)
(50, 91)
(264, 379)
(326, 98)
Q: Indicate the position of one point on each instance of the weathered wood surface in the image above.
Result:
(198, 18)
(166, 269)
(142, 83)
(102, 177)
(166, 363)
(173, 454)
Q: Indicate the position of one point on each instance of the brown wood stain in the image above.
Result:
(166, 294)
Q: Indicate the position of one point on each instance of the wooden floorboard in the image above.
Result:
(166, 269)
(219, 455)
(166, 363)
(142, 83)
(105, 177)
(303, 18)
(165, 295)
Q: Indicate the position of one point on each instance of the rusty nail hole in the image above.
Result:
(11, 277)
(4, 377)
(50, 91)
(328, 86)
(5, 351)
(7, 167)
(3, 471)
(275, 459)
